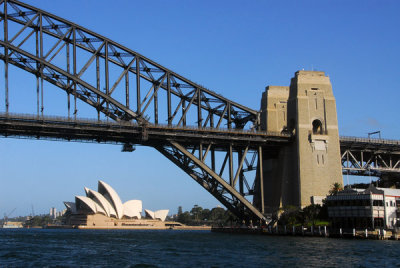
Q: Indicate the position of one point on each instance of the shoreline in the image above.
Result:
(337, 233)
(83, 227)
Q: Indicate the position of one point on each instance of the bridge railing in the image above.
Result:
(95, 122)
(369, 140)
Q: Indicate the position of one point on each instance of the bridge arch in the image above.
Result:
(186, 103)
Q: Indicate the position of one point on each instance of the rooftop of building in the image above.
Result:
(360, 193)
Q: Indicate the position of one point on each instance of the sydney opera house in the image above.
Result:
(104, 209)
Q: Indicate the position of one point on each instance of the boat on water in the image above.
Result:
(12, 225)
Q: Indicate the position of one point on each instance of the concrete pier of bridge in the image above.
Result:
(303, 171)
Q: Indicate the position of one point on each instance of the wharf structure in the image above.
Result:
(365, 208)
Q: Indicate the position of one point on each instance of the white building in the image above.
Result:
(365, 208)
(105, 208)
(53, 213)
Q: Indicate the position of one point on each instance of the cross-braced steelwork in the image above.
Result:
(125, 86)
(212, 178)
(227, 176)
(99, 71)
(376, 157)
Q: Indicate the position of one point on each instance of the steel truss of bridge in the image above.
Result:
(214, 140)
(191, 149)
(124, 86)
(370, 157)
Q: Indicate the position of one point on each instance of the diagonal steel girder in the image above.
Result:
(366, 162)
(239, 205)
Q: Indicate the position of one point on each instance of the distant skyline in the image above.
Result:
(234, 48)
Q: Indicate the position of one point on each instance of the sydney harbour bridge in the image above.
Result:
(219, 143)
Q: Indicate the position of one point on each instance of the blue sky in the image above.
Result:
(235, 48)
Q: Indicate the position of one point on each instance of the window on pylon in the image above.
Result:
(317, 127)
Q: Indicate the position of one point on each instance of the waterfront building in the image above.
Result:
(365, 208)
(61, 213)
(104, 209)
(53, 213)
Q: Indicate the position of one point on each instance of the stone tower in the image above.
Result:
(304, 171)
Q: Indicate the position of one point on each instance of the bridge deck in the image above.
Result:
(62, 128)
(368, 144)
(128, 132)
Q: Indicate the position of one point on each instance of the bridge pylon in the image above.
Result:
(302, 172)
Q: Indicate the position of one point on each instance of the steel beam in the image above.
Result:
(225, 185)
(86, 43)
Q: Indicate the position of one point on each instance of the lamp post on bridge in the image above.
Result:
(373, 133)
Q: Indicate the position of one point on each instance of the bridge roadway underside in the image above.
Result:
(360, 156)
(59, 128)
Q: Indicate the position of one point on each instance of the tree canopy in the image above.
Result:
(199, 216)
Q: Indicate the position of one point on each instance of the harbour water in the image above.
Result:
(173, 248)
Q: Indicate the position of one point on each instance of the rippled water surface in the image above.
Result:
(172, 248)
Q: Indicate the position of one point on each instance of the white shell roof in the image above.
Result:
(150, 214)
(103, 202)
(107, 191)
(107, 202)
(71, 206)
(133, 208)
(86, 190)
(89, 203)
(159, 214)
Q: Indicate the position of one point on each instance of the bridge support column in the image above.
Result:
(260, 176)
(304, 171)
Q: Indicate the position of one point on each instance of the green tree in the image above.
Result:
(205, 214)
(290, 215)
(229, 217)
(199, 216)
(217, 214)
(336, 187)
(184, 218)
(196, 212)
(311, 213)
(39, 220)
